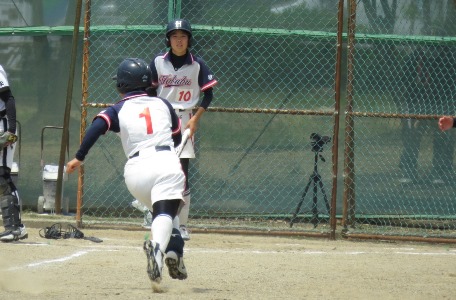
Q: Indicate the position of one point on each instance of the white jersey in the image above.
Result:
(182, 87)
(7, 153)
(3, 79)
(146, 126)
(141, 122)
(4, 85)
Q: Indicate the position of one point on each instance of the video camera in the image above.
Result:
(318, 141)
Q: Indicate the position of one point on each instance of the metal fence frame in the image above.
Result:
(348, 217)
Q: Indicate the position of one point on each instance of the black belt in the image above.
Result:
(157, 149)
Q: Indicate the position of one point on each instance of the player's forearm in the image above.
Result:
(199, 113)
(207, 98)
(97, 128)
(193, 122)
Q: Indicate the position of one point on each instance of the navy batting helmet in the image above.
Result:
(133, 74)
(179, 24)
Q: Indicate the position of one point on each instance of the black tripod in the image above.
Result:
(315, 178)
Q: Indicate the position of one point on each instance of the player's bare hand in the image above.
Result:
(446, 123)
(192, 126)
(73, 165)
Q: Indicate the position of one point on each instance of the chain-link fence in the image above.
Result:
(401, 72)
(261, 161)
(275, 64)
(286, 70)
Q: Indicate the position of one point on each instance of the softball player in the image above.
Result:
(149, 130)
(181, 76)
(9, 198)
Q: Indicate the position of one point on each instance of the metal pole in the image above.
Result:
(349, 170)
(335, 148)
(85, 87)
(66, 121)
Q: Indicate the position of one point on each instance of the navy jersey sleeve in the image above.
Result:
(206, 81)
(207, 98)
(103, 121)
(111, 117)
(206, 78)
(96, 129)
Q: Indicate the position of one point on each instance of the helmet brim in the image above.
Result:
(184, 30)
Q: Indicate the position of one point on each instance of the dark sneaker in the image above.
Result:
(175, 264)
(154, 261)
(11, 235)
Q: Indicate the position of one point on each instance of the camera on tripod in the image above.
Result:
(318, 141)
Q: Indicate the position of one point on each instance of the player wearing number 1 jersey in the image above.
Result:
(181, 77)
(149, 130)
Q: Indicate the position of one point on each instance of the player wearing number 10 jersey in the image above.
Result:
(181, 77)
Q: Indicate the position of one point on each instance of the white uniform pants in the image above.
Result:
(153, 176)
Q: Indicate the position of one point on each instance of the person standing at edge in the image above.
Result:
(9, 197)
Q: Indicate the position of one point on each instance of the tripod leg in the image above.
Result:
(314, 220)
(322, 188)
(298, 208)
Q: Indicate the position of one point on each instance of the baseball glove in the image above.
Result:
(7, 138)
(55, 232)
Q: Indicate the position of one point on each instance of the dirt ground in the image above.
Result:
(226, 267)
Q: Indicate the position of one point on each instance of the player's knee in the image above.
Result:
(5, 181)
(167, 207)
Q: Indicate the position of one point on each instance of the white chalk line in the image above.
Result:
(59, 260)
(115, 248)
(316, 252)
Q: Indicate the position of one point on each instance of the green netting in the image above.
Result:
(401, 164)
(255, 162)
(273, 55)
